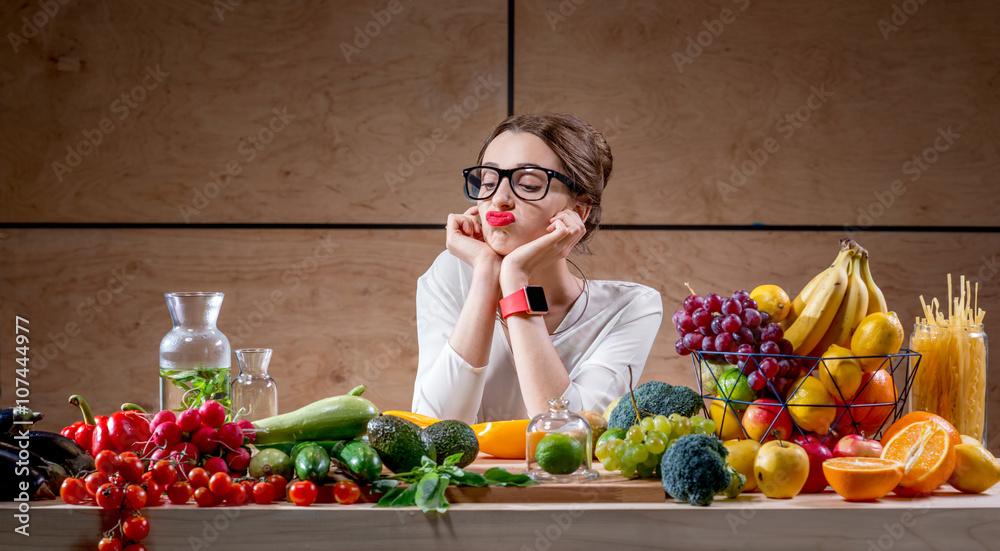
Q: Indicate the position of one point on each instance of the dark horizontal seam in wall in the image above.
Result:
(609, 227)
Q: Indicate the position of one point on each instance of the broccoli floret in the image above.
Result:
(694, 469)
(657, 398)
(736, 485)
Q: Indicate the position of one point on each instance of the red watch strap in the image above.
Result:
(514, 303)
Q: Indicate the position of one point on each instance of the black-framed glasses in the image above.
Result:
(530, 183)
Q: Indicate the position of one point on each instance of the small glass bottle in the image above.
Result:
(950, 379)
(255, 396)
(195, 356)
(559, 445)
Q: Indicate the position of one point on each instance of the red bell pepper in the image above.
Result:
(129, 430)
(82, 432)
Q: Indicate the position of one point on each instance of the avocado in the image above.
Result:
(400, 443)
(451, 437)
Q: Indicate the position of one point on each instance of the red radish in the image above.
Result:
(186, 454)
(189, 420)
(231, 436)
(216, 465)
(206, 439)
(238, 459)
(249, 430)
(161, 417)
(212, 414)
(167, 434)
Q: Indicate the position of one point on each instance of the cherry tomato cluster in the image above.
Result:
(201, 437)
(119, 484)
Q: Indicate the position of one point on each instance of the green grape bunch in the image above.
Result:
(638, 454)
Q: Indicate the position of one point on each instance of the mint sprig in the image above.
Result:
(428, 482)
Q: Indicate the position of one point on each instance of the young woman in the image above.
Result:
(503, 324)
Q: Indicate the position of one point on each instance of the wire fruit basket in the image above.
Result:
(878, 401)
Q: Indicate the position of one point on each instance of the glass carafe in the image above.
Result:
(559, 445)
(194, 355)
(254, 393)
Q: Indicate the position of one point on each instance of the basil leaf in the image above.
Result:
(498, 476)
(398, 497)
(430, 493)
(467, 478)
(383, 485)
(453, 459)
(427, 463)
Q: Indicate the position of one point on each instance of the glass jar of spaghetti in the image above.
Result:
(951, 379)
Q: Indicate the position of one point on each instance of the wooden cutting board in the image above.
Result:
(607, 488)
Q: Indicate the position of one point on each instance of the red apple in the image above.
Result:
(818, 453)
(855, 445)
(765, 420)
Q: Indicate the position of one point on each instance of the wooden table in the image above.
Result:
(596, 515)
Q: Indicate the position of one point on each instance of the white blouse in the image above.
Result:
(596, 341)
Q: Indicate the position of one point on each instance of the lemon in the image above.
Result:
(810, 405)
(773, 300)
(877, 335)
(976, 470)
(727, 420)
(733, 385)
(559, 454)
(840, 373)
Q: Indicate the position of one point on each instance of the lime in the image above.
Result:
(559, 454)
(733, 385)
(617, 432)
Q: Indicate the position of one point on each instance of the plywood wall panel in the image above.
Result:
(264, 91)
(845, 108)
(346, 312)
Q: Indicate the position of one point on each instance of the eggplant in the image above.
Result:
(40, 485)
(19, 413)
(56, 448)
(54, 472)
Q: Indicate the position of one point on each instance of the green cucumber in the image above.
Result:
(312, 463)
(335, 418)
(358, 460)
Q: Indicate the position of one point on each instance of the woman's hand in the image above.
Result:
(565, 230)
(465, 239)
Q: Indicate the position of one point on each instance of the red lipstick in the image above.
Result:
(496, 218)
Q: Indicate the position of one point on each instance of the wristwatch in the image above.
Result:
(529, 299)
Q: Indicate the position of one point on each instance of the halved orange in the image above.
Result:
(862, 478)
(916, 417)
(927, 452)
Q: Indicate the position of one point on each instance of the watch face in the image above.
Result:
(536, 299)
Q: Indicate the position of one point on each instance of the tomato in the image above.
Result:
(109, 544)
(264, 493)
(153, 492)
(248, 484)
(179, 493)
(135, 528)
(73, 491)
(205, 498)
(346, 492)
(135, 547)
(302, 493)
(127, 455)
(237, 495)
(279, 484)
(109, 496)
(94, 481)
(135, 496)
(106, 462)
(130, 467)
(198, 478)
(220, 483)
(164, 472)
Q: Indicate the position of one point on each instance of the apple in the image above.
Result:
(742, 455)
(781, 469)
(855, 445)
(765, 420)
(818, 453)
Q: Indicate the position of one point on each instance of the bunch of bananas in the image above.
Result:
(831, 306)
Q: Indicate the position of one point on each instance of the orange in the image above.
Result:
(773, 300)
(876, 388)
(927, 452)
(916, 417)
(878, 334)
(422, 421)
(503, 439)
(862, 478)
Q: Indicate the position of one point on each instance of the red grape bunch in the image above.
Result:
(731, 329)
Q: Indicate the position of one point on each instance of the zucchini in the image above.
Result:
(358, 460)
(312, 463)
(335, 418)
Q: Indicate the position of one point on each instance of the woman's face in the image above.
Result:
(522, 221)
